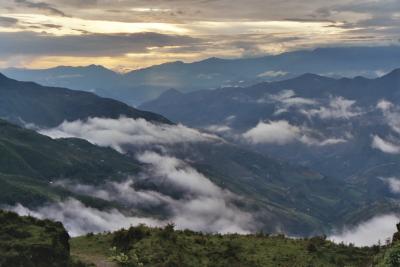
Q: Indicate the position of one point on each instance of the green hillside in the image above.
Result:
(29, 242)
(27, 102)
(162, 247)
(30, 162)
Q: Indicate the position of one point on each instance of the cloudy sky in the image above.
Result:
(130, 34)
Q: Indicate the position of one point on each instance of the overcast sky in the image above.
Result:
(130, 34)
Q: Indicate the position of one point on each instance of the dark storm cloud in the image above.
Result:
(28, 43)
(41, 6)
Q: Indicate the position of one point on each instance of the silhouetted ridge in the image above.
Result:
(394, 74)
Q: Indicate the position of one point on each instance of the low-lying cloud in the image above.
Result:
(80, 219)
(384, 145)
(369, 233)
(338, 108)
(286, 99)
(117, 133)
(391, 115)
(181, 194)
(393, 183)
(282, 133)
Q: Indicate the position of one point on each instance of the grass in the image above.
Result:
(167, 247)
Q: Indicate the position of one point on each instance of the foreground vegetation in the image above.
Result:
(144, 246)
(26, 241)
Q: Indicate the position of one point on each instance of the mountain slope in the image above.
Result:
(27, 102)
(350, 112)
(30, 162)
(293, 199)
(296, 199)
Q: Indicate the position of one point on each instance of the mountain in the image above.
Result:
(37, 171)
(30, 103)
(142, 85)
(30, 163)
(331, 125)
(295, 198)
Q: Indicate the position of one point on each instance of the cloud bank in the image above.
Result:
(384, 146)
(185, 197)
(282, 133)
(117, 133)
(79, 219)
(391, 115)
(338, 108)
(369, 233)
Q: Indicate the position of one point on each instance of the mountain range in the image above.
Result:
(142, 85)
(37, 170)
(336, 126)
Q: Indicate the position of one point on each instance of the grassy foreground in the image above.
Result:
(26, 241)
(163, 247)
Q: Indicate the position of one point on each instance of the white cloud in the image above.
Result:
(370, 232)
(286, 99)
(273, 132)
(79, 219)
(117, 133)
(324, 142)
(282, 133)
(385, 146)
(215, 128)
(272, 73)
(338, 108)
(391, 114)
(185, 196)
(384, 105)
(205, 207)
(393, 183)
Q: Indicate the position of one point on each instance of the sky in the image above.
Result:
(131, 34)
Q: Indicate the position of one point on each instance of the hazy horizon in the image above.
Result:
(127, 35)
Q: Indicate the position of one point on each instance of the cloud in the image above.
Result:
(41, 6)
(384, 105)
(259, 28)
(117, 133)
(338, 108)
(272, 73)
(393, 183)
(79, 219)
(217, 128)
(85, 45)
(391, 114)
(370, 232)
(185, 196)
(205, 207)
(7, 22)
(282, 133)
(385, 146)
(274, 132)
(287, 98)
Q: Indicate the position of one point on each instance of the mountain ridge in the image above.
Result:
(141, 85)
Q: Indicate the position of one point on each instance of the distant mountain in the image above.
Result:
(30, 103)
(332, 125)
(143, 85)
